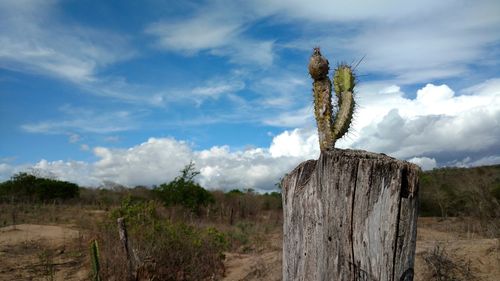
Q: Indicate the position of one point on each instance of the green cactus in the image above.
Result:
(332, 124)
(94, 259)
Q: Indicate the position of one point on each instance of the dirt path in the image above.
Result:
(41, 252)
(265, 266)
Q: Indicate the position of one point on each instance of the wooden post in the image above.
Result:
(122, 230)
(351, 215)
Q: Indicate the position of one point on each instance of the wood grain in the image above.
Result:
(350, 215)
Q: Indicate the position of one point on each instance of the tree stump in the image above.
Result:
(351, 215)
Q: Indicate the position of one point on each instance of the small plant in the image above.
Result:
(332, 124)
(445, 268)
(46, 258)
(94, 260)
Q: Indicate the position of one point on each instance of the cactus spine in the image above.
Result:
(332, 124)
(94, 260)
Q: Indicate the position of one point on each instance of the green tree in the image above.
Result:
(184, 191)
(27, 187)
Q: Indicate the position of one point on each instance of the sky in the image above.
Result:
(129, 92)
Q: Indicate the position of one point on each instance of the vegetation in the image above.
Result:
(184, 191)
(163, 249)
(94, 260)
(460, 191)
(444, 268)
(463, 192)
(26, 187)
(180, 231)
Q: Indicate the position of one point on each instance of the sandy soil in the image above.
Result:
(41, 252)
(481, 255)
(467, 249)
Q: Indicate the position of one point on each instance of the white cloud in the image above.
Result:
(202, 32)
(282, 90)
(74, 171)
(159, 160)
(248, 51)
(84, 120)
(488, 160)
(410, 42)
(425, 163)
(490, 87)
(5, 171)
(217, 28)
(296, 143)
(436, 123)
(435, 128)
(337, 11)
(436, 45)
(215, 88)
(295, 118)
(33, 40)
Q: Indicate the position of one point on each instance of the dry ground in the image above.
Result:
(42, 252)
(463, 248)
(59, 252)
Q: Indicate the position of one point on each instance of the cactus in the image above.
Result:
(332, 124)
(94, 260)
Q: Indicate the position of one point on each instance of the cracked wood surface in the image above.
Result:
(350, 215)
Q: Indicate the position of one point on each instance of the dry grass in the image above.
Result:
(444, 267)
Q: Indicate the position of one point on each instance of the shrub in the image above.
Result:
(26, 187)
(443, 267)
(184, 191)
(495, 191)
(165, 250)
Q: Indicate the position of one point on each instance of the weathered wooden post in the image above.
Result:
(350, 215)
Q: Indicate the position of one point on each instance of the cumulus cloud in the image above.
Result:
(437, 127)
(159, 160)
(436, 122)
(425, 163)
(296, 143)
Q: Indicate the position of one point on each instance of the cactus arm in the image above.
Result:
(343, 117)
(344, 82)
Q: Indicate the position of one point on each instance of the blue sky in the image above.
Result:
(130, 91)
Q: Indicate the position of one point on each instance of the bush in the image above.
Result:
(443, 267)
(495, 192)
(26, 187)
(166, 250)
(184, 191)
